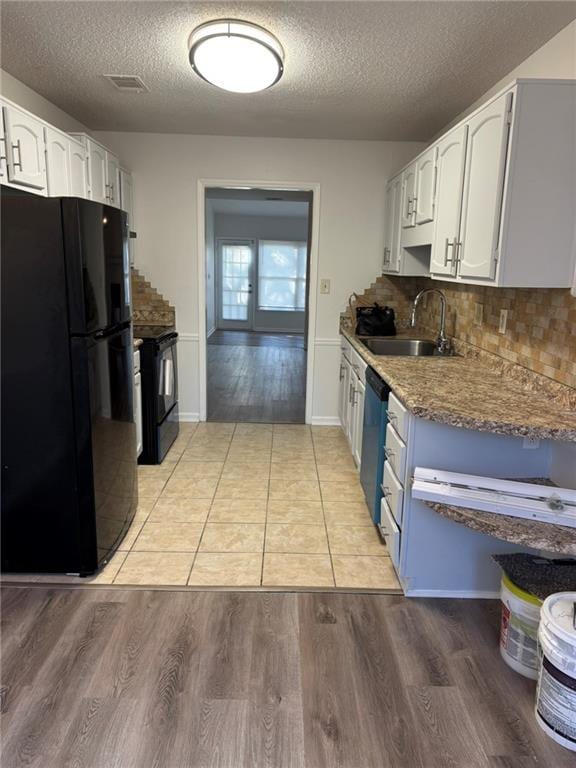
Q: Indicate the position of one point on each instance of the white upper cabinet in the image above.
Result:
(391, 261)
(483, 187)
(408, 195)
(425, 187)
(78, 170)
(113, 180)
(97, 172)
(24, 134)
(57, 162)
(3, 155)
(450, 177)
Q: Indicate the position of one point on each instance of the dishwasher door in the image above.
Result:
(373, 441)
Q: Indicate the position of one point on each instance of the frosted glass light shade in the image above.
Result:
(236, 56)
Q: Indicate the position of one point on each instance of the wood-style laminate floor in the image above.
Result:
(156, 679)
(256, 377)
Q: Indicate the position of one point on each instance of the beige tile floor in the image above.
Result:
(252, 505)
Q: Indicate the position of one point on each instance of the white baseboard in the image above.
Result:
(467, 594)
(325, 421)
(184, 416)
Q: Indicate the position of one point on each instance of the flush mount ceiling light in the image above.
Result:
(236, 55)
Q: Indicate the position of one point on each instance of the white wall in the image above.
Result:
(257, 228)
(210, 269)
(352, 176)
(25, 97)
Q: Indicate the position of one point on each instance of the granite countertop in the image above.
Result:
(530, 533)
(468, 392)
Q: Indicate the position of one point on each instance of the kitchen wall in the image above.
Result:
(292, 228)
(352, 177)
(25, 97)
(541, 327)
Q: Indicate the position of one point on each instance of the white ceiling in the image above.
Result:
(260, 208)
(364, 70)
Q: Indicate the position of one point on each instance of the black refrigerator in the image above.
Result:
(69, 482)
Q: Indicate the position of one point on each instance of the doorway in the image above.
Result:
(257, 304)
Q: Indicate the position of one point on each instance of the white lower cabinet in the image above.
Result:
(351, 398)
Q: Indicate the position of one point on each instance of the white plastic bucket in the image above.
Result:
(519, 629)
(556, 694)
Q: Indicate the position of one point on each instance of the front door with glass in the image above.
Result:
(236, 281)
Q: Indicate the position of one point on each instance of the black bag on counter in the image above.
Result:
(375, 321)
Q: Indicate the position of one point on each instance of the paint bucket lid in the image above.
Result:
(558, 616)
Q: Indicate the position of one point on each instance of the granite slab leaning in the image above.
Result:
(474, 391)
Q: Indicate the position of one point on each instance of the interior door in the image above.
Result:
(236, 284)
(483, 184)
(451, 156)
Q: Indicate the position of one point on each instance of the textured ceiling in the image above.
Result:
(364, 70)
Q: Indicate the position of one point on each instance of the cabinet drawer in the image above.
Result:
(398, 416)
(390, 533)
(393, 491)
(395, 451)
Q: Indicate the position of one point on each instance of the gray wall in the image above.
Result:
(266, 228)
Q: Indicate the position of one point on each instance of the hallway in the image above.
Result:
(256, 377)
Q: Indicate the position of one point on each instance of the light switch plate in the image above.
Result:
(503, 321)
(478, 313)
(324, 286)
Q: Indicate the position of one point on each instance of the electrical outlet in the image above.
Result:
(478, 313)
(503, 321)
(531, 443)
(324, 286)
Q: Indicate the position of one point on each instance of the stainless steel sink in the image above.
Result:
(403, 347)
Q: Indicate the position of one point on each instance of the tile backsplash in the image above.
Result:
(541, 323)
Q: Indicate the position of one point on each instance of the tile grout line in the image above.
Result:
(210, 509)
(151, 509)
(266, 515)
(324, 513)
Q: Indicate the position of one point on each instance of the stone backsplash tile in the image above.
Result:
(541, 326)
(148, 306)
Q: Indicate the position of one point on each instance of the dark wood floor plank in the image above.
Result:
(168, 679)
(260, 378)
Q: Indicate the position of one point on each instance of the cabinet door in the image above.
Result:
(3, 155)
(342, 392)
(113, 180)
(346, 410)
(425, 187)
(138, 411)
(391, 261)
(408, 194)
(78, 167)
(359, 421)
(97, 163)
(57, 163)
(483, 185)
(352, 409)
(25, 149)
(449, 181)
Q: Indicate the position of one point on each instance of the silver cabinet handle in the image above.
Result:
(391, 416)
(386, 491)
(386, 255)
(388, 452)
(3, 156)
(448, 245)
(342, 369)
(414, 206)
(350, 393)
(408, 209)
(17, 148)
